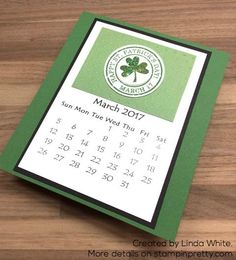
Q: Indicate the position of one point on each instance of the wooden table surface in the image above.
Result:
(37, 224)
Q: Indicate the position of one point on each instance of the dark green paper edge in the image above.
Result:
(178, 188)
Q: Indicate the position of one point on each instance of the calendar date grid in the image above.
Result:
(102, 154)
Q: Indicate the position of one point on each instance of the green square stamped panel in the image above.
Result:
(163, 101)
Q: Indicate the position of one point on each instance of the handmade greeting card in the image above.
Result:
(119, 122)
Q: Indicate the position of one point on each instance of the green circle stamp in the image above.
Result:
(134, 70)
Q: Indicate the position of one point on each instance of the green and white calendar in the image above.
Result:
(119, 122)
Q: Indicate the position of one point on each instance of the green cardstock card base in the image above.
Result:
(167, 82)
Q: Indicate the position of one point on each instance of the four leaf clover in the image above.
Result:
(135, 67)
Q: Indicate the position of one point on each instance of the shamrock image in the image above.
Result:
(134, 67)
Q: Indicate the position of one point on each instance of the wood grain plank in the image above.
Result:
(25, 72)
(4, 137)
(83, 255)
(10, 116)
(20, 199)
(46, 254)
(219, 141)
(215, 170)
(206, 201)
(70, 233)
(22, 11)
